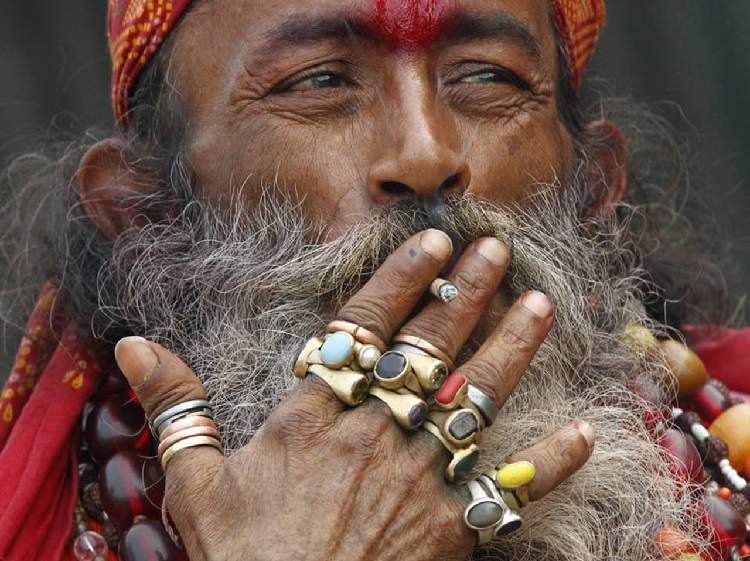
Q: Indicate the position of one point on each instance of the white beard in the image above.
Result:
(238, 299)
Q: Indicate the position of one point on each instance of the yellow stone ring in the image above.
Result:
(512, 480)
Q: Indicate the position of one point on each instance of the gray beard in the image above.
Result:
(237, 298)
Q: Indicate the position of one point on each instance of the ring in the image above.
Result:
(186, 432)
(199, 407)
(348, 384)
(444, 290)
(364, 336)
(408, 409)
(425, 347)
(486, 406)
(512, 481)
(487, 513)
(460, 427)
(420, 373)
(464, 458)
(189, 442)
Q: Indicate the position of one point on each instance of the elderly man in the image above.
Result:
(400, 202)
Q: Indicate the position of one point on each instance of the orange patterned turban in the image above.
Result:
(136, 28)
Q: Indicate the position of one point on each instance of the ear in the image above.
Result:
(608, 165)
(113, 192)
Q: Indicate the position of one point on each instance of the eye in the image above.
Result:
(494, 76)
(486, 76)
(318, 82)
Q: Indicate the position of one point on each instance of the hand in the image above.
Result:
(322, 482)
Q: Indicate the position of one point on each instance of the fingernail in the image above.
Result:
(136, 359)
(436, 243)
(493, 250)
(587, 431)
(537, 303)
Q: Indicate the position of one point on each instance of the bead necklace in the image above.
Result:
(709, 447)
(121, 486)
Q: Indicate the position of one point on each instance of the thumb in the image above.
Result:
(161, 380)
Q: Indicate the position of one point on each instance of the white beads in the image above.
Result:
(731, 475)
(90, 546)
(699, 432)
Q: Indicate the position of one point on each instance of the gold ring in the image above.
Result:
(189, 442)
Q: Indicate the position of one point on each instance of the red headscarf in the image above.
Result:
(136, 28)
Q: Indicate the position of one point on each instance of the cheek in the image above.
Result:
(507, 162)
(322, 171)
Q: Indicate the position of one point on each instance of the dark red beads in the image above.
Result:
(684, 460)
(710, 401)
(727, 524)
(131, 486)
(117, 423)
(147, 541)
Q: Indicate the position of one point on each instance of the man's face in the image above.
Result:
(350, 104)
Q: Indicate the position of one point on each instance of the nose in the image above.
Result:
(419, 154)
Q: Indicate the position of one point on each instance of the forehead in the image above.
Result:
(395, 24)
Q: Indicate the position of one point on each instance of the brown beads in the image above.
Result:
(689, 370)
(732, 427)
(713, 449)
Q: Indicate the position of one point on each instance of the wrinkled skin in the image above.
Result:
(347, 122)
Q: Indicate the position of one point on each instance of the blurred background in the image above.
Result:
(54, 79)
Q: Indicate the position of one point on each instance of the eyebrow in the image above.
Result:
(301, 30)
(501, 25)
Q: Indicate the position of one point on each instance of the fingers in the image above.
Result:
(383, 304)
(557, 457)
(500, 362)
(160, 380)
(477, 276)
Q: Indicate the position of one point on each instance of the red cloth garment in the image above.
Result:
(136, 29)
(725, 352)
(41, 434)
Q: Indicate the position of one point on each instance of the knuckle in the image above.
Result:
(517, 335)
(370, 313)
(474, 287)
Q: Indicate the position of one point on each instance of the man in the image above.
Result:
(283, 166)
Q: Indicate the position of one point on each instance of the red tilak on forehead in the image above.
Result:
(410, 24)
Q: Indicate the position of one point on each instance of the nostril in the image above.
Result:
(394, 187)
(449, 183)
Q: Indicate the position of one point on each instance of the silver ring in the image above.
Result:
(487, 407)
(192, 407)
(487, 513)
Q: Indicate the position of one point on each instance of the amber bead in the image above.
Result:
(117, 423)
(732, 427)
(148, 541)
(684, 460)
(728, 524)
(687, 368)
(131, 486)
(672, 542)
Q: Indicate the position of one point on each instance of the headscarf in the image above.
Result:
(136, 29)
